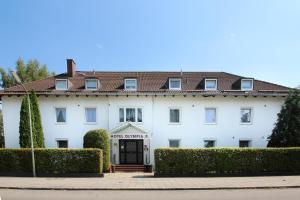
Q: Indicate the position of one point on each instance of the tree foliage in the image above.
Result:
(31, 71)
(2, 142)
(37, 120)
(287, 128)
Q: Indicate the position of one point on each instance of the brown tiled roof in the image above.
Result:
(148, 82)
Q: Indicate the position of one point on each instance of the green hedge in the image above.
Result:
(51, 161)
(99, 139)
(226, 161)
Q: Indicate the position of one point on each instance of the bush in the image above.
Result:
(226, 161)
(99, 139)
(51, 161)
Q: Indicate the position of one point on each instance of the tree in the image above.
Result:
(287, 128)
(2, 142)
(37, 120)
(31, 71)
(24, 127)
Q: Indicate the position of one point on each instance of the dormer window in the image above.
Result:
(91, 84)
(175, 84)
(130, 84)
(247, 84)
(61, 84)
(211, 84)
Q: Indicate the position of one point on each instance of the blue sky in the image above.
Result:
(255, 38)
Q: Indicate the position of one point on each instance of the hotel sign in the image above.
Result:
(129, 136)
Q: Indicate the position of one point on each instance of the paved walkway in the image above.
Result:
(141, 181)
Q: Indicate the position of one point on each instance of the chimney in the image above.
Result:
(71, 67)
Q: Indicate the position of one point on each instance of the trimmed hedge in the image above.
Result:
(226, 161)
(99, 139)
(51, 161)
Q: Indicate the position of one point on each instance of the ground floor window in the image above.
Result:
(62, 143)
(209, 143)
(244, 143)
(174, 143)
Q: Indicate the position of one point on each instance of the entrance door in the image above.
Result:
(131, 151)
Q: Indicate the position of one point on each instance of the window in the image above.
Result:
(60, 115)
(247, 84)
(62, 143)
(210, 115)
(210, 84)
(91, 84)
(90, 115)
(244, 143)
(130, 115)
(175, 84)
(209, 143)
(174, 115)
(130, 84)
(61, 84)
(246, 115)
(174, 143)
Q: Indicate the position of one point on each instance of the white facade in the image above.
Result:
(191, 132)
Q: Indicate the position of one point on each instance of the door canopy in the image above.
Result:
(129, 130)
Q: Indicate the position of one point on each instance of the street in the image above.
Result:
(260, 194)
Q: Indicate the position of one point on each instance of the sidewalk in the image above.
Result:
(141, 181)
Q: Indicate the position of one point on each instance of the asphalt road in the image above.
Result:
(274, 194)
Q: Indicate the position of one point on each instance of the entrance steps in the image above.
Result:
(129, 168)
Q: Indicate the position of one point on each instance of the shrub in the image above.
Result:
(99, 139)
(226, 161)
(51, 161)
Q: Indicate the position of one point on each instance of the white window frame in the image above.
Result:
(55, 119)
(175, 79)
(174, 139)
(136, 114)
(180, 115)
(62, 89)
(251, 117)
(61, 139)
(210, 139)
(211, 79)
(85, 119)
(210, 123)
(247, 79)
(130, 79)
(245, 139)
(91, 79)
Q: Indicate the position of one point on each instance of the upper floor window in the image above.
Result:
(246, 115)
(61, 115)
(61, 84)
(247, 84)
(211, 84)
(210, 115)
(130, 84)
(130, 115)
(174, 143)
(174, 115)
(90, 115)
(91, 84)
(175, 84)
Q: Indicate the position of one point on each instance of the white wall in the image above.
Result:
(192, 130)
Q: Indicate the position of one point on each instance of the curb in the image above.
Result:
(152, 189)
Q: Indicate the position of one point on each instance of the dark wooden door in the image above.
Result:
(131, 152)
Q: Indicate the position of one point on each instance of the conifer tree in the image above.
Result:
(24, 127)
(38, 128)
(287, 128)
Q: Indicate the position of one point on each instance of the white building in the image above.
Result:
(148, 110)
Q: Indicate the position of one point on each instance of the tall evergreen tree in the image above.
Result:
(2, 142)
(37, 120)
(287, 128)
(24, 127)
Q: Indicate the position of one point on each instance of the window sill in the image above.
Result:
(174, 123)
(215, 123)
(90, 123)
(250, 123)
(61, 123)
